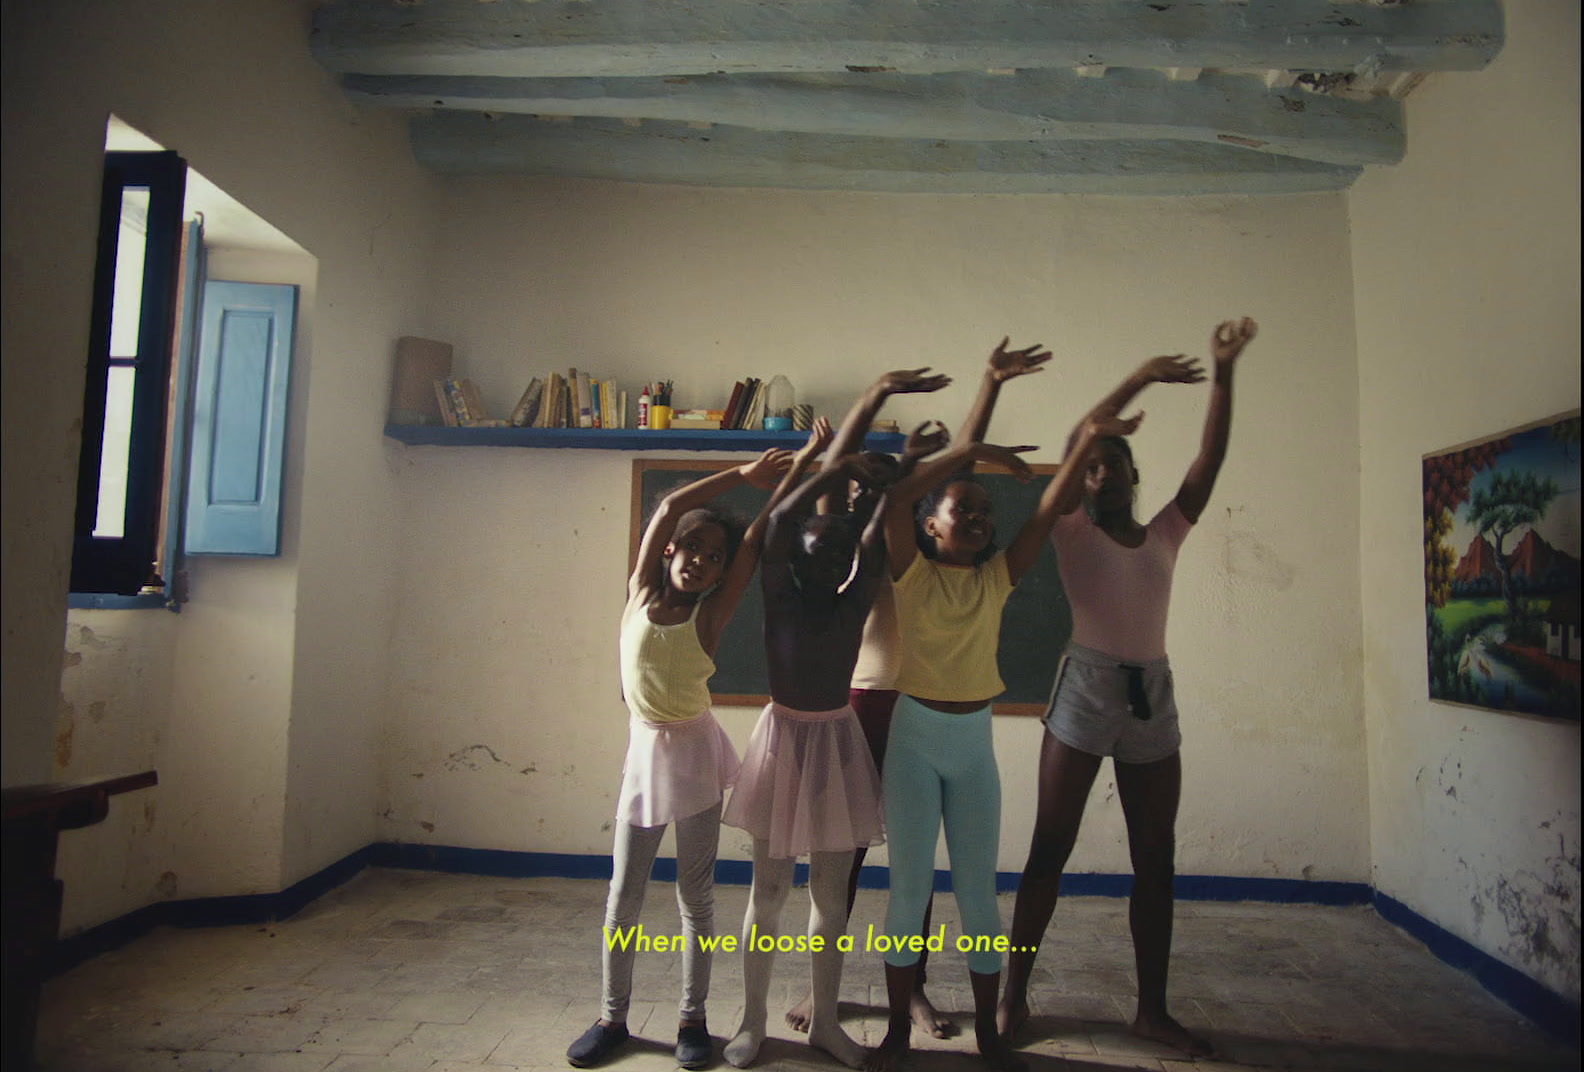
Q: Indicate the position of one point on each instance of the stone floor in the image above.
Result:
(399, 971)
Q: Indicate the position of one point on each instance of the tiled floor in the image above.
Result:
(401, 970)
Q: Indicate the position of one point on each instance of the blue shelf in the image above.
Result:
(429, 435)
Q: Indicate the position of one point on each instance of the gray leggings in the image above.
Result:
(697, 843)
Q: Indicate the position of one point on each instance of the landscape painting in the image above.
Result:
(1501, 543)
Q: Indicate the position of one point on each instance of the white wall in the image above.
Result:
(507, 730)
(1466, 268)
(234, 698)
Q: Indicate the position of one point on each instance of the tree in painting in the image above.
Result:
(1511, 501)
(1501, 543)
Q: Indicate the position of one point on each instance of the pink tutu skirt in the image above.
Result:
(807, 784)
(674, 769)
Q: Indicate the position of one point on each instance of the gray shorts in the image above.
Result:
(1108, 708)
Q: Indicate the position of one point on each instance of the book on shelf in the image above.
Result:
(448, 415)
(552, 399)
(731, 405)
(472, 403)
(584, 408)
(697, 419)
(528, 405)
(556, 400)
(419, 362)
(462, 406)
(750, 385)
(754, 415)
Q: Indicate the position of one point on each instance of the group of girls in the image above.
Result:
(883, 595)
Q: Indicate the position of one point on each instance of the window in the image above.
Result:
(124, 471)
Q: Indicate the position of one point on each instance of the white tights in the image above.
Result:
(772, 881)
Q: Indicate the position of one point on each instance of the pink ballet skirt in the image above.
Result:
(674, 769)
(807, 784)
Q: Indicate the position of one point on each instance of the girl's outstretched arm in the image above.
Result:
(1064, 489)
(855, 425)
(1170, 368)
(1226, 344)
(719, 606)
(903, 496)
(1002, 366)
(648, 573)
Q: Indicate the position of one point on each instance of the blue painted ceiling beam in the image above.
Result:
(1116, 96)
(1041, 105)
(516, 38)
(473, 143)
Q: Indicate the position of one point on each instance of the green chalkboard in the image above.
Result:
(1034, 627)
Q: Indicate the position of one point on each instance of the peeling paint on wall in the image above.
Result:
(63, 736)
(472, 758)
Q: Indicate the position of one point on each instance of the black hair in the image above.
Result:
(730, 524)
(844, 522)
(1121, 444)
(926, 508)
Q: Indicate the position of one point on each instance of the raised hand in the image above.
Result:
(765, 471)
(820, 436)
(912, 382)
(1173, 368)
(1006, 457)
(1105, 421)
(926, 439)
(1229, 338)
(1007, 364)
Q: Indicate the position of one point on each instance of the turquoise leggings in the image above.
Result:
(941, 766)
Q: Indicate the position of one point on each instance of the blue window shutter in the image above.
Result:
(239, 419)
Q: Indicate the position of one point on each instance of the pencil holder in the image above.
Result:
(802, 417)
(659, 417)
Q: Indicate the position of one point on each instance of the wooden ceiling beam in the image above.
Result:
(633, 38)
(1125, 104)
(667, 152)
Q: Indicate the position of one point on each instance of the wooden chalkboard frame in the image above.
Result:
(1038, 617)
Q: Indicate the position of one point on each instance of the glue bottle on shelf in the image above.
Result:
(643, 408)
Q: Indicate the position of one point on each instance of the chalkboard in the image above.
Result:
(1034, 627)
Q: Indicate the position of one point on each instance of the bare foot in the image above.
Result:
(927, 1019)
(1011, 1016)
(888, 1055)
(799, 1015)
(1169, 1032)
(995, 1051)
(836, 1042)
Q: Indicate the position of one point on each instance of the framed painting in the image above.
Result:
(1501, 553)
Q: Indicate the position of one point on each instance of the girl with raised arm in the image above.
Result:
(693, 566)
(873, 690)
(808, 785)
(951, 586)
(1113, 690)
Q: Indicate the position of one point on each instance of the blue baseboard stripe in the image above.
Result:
(1550, 1011)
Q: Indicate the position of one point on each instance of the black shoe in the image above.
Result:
(596, 1044)
(695, 1048)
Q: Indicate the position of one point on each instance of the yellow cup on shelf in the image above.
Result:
(659, 417)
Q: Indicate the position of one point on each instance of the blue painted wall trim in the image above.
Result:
(207, 912)
(1551, 1011)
